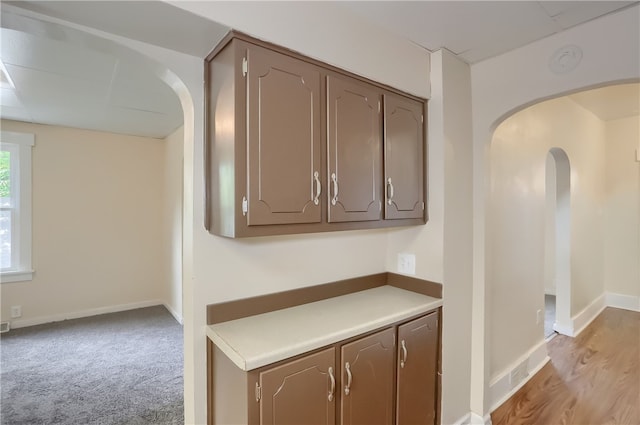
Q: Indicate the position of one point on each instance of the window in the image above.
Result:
(15, 206)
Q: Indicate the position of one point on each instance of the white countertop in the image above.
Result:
(259, 340)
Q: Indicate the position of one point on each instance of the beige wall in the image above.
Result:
(97, 224)
(622, 208)
(172, 223)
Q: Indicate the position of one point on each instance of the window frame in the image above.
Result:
(21, 222)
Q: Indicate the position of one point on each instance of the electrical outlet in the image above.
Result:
(539, 317)
(16, 311)
(407, 264)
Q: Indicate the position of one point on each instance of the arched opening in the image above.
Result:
(557, 290)
(174, 256)
(545, 227)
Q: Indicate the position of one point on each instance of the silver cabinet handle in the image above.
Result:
(333, 384)
(347, 388)
(334, 179)
(390, 192)
(403, 360)
(316, 177)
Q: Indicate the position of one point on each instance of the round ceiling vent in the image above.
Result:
(565, 59)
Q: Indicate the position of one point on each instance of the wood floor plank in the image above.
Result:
(593, 379)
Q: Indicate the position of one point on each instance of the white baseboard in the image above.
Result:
(465, 420)
(502, 387)
(473, 419)
(626, 302)
(476, 419)
(83, 313)
(174, 313)
(586, 316)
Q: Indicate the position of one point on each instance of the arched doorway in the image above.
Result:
(558, 243)
(158, 65)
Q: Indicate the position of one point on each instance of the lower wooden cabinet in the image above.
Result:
(367, 367)
(385, 378)
(417, 371)
(299, 392)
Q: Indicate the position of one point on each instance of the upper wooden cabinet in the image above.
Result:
(403, 157)
(283, 139)
(297, 146)
(354, 150)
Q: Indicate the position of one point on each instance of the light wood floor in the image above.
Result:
(593, 379)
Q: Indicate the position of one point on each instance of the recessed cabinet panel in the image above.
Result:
(354, 151)
(300, 392)
(417, 371)
(283, 139)
(367, 380)
(404, 158)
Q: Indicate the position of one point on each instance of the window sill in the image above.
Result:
(16, 276)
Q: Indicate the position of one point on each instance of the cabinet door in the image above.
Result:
(403, 158)
(354, 151)
(283, 139)
(367, 380)
(417, 371)
(300, 392)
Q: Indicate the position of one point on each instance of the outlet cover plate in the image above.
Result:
(16, 311)
(407, 264)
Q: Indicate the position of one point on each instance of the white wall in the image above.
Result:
(450, 177)
(517, 220)
(97, 224)
(172, 223)
(622, 208)
(510, 82)
(329, 32)
(226, 269)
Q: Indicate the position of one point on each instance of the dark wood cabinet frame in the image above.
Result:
(229, 220)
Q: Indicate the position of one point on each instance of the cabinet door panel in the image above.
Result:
(370, 391)
(298, 392)
(283, 140)
(404, 158)
(417, 371)
(354, 151)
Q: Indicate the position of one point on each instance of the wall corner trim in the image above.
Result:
(586, 316)
(174, 313)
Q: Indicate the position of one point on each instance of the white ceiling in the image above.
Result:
(477, 30)
(61, 80)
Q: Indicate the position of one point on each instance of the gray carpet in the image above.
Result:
(549, 314)
(120, 368)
